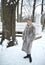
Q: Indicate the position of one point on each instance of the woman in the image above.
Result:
(28, 37)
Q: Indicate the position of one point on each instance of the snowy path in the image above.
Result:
(14, 55)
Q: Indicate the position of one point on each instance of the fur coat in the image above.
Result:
(28, 37)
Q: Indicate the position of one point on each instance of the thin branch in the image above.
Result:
(39, 5)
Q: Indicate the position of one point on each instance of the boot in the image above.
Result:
(27, 56)
(30, 58)
(11, 43)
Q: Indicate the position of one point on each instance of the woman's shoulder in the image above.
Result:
(33, 26)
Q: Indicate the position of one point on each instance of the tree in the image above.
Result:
(42, 17)
(18, 12)
(8, 19)
(42, 6)
(33, 12)
(21, 10)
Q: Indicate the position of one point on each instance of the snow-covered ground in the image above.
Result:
(14, 55)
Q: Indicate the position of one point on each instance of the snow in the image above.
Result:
(21, 26)
(14, 55)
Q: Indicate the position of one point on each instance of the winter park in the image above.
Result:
(22, 32)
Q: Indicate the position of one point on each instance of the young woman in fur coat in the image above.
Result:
(28, 37)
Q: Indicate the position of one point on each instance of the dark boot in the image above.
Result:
(11, 43)
(30, 58)
(27, 56)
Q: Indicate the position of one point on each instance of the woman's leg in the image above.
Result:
(29, 52)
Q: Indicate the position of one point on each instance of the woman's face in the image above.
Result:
(29, 22)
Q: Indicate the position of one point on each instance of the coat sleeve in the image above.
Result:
(32, 34)
(24, 34)
(34, 31)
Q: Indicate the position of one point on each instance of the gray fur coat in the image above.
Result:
(28, 37)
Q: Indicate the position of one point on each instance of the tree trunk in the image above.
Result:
(18, 12)
(21, 10)
(33, 12)
(42, 21)
(8, 19)
(42, 7)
